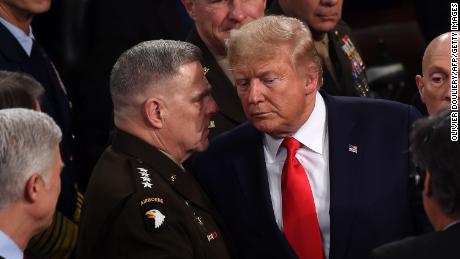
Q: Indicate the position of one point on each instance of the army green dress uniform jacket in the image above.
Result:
(141, 204)
(223, 91)
(350, 70)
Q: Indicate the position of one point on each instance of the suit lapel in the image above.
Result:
(344, 161)
(253, 179)
(223, 90)
(10, 47)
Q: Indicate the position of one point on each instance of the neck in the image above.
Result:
(215, 47)
(318, 36)
(19, 230)
(153, 137)
(18, 18)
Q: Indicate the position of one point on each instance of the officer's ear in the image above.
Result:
(154, 111)
(421, 87)
(190, 7)
(33, 187)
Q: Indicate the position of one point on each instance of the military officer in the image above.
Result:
(343, 68)
(140, 202)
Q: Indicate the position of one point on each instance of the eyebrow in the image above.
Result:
(436, 68)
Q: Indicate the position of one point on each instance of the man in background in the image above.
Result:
(213, 22)
(434, 85)
(30, 168)
(437, 158)
(343, 67)
(19, 51)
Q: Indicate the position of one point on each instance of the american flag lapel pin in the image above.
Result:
(353, 148)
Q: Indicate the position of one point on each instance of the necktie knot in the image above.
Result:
(291, 144)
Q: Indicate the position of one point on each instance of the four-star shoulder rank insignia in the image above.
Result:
(145, 177)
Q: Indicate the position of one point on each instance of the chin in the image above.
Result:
(203, 145)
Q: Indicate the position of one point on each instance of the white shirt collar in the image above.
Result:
(8, 248)
(25, 40)
(451, 224)
(311, 134)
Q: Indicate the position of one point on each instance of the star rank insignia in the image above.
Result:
(145, 177)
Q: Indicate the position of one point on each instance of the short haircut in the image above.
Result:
(433, 151)
(19, 90)
(146, 67)
(263, 38)
(28, 140)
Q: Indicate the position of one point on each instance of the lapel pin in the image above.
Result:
(353, 148)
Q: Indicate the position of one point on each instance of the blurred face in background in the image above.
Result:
(26, 7)
(214, 19)
(434, 86)
(320, 15)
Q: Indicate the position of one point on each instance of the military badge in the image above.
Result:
(157, 217)
(153, 212)
(145, 177)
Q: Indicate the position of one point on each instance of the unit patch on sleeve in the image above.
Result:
(153, 213)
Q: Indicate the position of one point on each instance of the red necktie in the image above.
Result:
(300, 222)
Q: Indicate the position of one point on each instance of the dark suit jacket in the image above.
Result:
(371, 199)
(54, 102)
(348, 84)
(439, 245)
(114, 222)
(231, 112)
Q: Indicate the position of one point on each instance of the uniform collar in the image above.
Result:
(182, 182)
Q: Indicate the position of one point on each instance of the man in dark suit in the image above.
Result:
(19, 51)
(213, 22)
(140, 202)
(436, 155)
(343, 67)
(353, 191)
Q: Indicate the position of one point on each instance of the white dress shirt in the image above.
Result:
(314, 157)
(25, 40)
(8, 248)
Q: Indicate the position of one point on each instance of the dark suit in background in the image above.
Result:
(54, 102)
(372, 200)
(440, 245)
(230, 112)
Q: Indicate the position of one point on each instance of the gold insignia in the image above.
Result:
(212, 124)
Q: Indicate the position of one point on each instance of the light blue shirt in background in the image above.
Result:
(25, 40)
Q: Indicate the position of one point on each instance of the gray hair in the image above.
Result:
(146, 67)
(28, 140)
(19, 90)
(261, 39)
